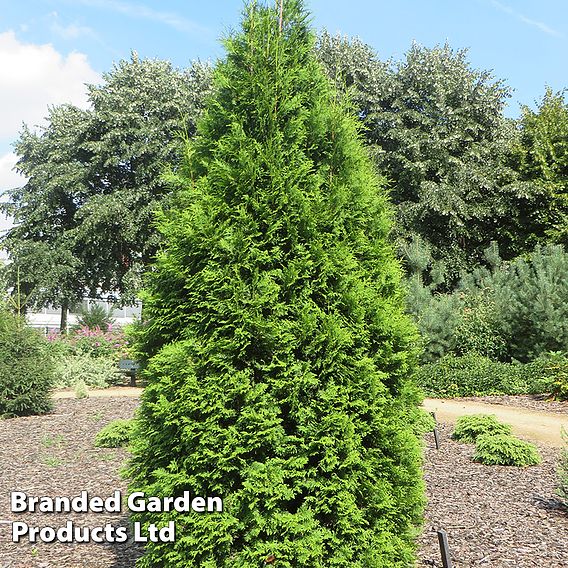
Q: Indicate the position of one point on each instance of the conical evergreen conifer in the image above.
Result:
(278, 354)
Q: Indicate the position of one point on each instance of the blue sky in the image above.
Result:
(50, 48)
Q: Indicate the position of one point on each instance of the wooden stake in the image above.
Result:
(281, 14)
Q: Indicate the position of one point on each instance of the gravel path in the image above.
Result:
(53, 455)
(496, 517)
(534, 425)
(540, 402)
(112, 392)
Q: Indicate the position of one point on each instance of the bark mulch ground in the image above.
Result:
(54, 455)
(494, 516)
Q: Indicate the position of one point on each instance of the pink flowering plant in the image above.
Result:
(93, 342)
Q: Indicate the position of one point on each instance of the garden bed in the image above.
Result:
(495, 516)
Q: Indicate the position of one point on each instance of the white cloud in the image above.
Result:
(69, 31)
(32, 77)
(133, 10)
(529, 21)
(8, 177)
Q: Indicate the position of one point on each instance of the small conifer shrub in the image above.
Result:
(554, 373)
(504, 449)
(115, 434)
(81, 390)
(26, 368)
(469, 428)
(277, 353)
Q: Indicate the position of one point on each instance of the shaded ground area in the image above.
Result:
(535, 425)
(495, 517)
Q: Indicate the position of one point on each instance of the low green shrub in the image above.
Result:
(469, 428)
(81, 390)
(115, 434)
(553, 370)
(476, 375)
(422, 421)
(476, 331)
(504, 449)
(94, 372)
(26, 368)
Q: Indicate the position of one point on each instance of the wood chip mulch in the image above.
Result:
(495, 516)
(54, 455)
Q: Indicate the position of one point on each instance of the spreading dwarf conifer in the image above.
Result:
(278, 357)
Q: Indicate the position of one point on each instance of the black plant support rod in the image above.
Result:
(444, 549)
(436, 436)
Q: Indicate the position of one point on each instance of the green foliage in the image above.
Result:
(115, 434)
(437, 315)
(504, 449)
(50, 441)
(542, 157)
(422, 421)
(553, 373)
(45, 265)
(458, 322)
(278, 354)
(515, 311)
(530, 302)
(95, 317)
(52, 461)
(469, 428)
(476, 330)
(475, 375)
(437, 130)
(84, 219)
(139, 111)
(26, 369)
(81, 390)
(93, 372)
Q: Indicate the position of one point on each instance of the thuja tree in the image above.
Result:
(278, 355)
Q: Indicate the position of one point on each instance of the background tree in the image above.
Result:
(141, 112)
(279, 355)
(542, 157)
(83, 222)
(439, 135)
(46, 266)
